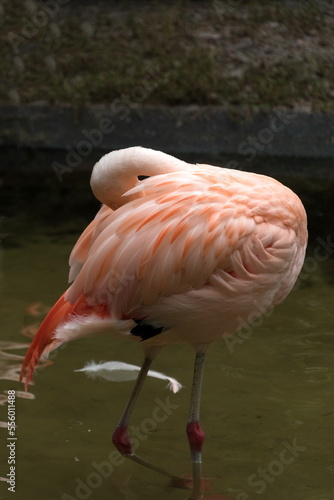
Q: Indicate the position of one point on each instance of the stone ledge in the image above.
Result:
(184, 130)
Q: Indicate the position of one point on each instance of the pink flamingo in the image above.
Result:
(180, 256)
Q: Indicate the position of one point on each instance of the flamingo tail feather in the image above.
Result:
(45, 340)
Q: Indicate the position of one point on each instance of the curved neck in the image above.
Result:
(117, 172)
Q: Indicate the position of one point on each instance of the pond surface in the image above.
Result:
(267, 406)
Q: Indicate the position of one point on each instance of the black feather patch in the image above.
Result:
(146, 331)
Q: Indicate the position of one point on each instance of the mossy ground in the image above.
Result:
(243, 55)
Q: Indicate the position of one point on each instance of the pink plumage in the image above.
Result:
(189, 251)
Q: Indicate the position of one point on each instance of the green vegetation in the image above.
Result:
(243, 55)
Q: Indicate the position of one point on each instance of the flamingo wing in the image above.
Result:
(175, 235)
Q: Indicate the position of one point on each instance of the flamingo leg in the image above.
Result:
(121, 437)
(194, 431)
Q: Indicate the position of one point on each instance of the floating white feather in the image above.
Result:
(117, 371)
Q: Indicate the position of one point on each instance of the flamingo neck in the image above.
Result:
(117, 172)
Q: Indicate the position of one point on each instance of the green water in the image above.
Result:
(267, 406)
